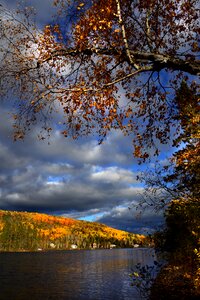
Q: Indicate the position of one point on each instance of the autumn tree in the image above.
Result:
(183, 213)
(180, 176)
(178, 183)
(101, 65)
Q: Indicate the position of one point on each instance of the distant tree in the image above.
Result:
(101, 65)
(6, 234)
(21, 231)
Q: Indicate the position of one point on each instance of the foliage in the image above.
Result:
(178, 177)
(183, 213)
(81, 63)
(174, 187)
(174, 283)
(183, 227)
(144, 276)
(181, 238)
(187, 159)
(22, 231)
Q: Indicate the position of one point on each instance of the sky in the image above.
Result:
(72, 178)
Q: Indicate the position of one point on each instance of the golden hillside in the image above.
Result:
(24, 231)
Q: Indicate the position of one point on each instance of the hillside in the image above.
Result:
(23, 231)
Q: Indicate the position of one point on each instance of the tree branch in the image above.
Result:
(124, 35)
(85, 90)
(158, 61)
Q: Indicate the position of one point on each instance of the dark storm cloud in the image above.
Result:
(127, 219)
(66, 175)
(74, 189)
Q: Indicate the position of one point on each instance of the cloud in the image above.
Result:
(79, 179)
(113, 175)
(70, 189)
(130, 220)
(65, 176)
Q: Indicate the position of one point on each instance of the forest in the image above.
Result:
(24, 231)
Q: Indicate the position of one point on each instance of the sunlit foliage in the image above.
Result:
(22, 231)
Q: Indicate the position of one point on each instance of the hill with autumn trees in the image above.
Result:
(24, 231)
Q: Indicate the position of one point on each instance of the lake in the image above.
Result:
(71, 275)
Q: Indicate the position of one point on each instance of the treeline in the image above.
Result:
(23, 231)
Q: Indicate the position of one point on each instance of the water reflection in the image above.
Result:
(73, 275)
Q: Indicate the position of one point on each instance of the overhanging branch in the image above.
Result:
(157, 61)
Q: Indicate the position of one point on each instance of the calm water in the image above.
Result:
(73, 275)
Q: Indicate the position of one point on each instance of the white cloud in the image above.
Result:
(115, 175)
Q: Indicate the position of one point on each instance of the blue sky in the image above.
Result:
(78, 179)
